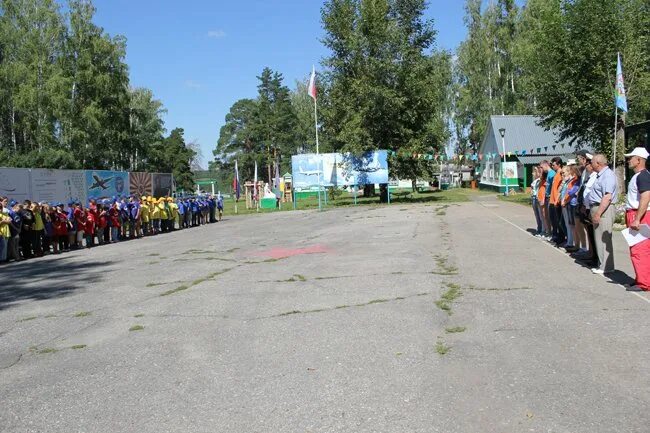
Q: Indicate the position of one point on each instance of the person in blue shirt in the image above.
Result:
(72, 226)
(181, 213)
(124, 217)
(188, 213)
(212, 208)
(220, 205)
(134, 217)
(195, 211)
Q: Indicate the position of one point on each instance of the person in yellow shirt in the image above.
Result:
(173, 213)
(155, 215)
(5, 234)
(164, 214)
(144, 215)
(39, 229)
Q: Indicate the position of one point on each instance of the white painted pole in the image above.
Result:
(615, 139)
(320, 207)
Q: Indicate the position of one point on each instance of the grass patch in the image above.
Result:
(455, 330)
(155, 284)
(442, 348)
(83, 314)
(290, 313)
(176, 290)
(295, 278)
(78, 346)
(199, 281)
(444, 305)
(453, 293)
(50, 316)
(27, 319)
(447, 298)
(139, 315)
(443, 267)
(136, 328)
(374, 301)
(333, 278)
(441, 213)
(522, 199)
(46, 350)
(153, 255)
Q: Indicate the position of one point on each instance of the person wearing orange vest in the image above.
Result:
(543, 202)
(555, 203)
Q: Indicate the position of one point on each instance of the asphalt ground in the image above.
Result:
(337, 321)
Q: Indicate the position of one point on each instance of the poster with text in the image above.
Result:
(106, 184)
(162, 184)
(54, 186)
(14, 184)
(140, 183)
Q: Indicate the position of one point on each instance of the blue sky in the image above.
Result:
(200, 56)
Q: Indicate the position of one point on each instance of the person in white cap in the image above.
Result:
(638, 213)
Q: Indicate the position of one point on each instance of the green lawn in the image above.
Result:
(400, 197)
(522, 198)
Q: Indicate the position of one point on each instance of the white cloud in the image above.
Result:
(191, 84)
(216, 34)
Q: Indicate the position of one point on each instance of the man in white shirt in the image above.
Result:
(637, 213)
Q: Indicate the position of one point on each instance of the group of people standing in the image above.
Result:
(574, 207)
(35, 229)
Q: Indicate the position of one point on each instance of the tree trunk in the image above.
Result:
(369, 190)
(13, 128)
(414, 185)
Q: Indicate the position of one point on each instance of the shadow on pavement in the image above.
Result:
(45, 279)
(620, 277)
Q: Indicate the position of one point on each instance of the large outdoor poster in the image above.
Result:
(140, 183)
(106, 184)
(336, 169)
(510, 170)
(55, 186)
(162, 184)
(14, 183)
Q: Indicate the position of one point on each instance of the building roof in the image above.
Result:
(524, 135)
(536, 159)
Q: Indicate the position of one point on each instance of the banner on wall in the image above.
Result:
(162, 184)
(54, 186)
(15, 184)
(336, 169)
(140, 183)
(106, 184)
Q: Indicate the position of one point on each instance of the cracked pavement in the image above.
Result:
(325, 322)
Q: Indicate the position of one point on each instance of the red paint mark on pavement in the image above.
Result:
(281, 253)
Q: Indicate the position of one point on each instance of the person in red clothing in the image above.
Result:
(80, 219)
(61, 228)
(114, 221)
(102, 223)
(90, 228)
(638, 213)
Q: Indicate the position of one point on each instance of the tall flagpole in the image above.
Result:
(320, 206)
(615, 138)
(312, 88)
